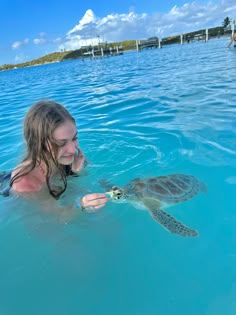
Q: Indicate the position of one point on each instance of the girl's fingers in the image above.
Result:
(93, 209)
(95, 198)
(93, 202)
(79, 152)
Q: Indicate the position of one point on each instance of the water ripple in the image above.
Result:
(175, 100)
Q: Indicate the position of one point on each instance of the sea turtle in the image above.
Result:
(155, 193)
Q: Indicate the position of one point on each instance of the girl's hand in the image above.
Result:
(93, 202)
(79, 161)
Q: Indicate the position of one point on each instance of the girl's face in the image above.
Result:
(65, 137)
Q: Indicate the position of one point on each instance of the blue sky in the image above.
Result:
(31, 29)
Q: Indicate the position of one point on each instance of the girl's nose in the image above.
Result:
(71, 147)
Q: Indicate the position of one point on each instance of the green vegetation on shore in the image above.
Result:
(53, 57)
(126, 45)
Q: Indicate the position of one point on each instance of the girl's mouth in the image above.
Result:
(68, 156)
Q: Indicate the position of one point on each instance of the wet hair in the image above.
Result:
(40, 122)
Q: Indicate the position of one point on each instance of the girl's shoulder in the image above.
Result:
(30, 182)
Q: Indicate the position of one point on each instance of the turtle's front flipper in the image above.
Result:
(105, 184)
(169, 222)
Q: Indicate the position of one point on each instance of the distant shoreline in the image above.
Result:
(124, 46)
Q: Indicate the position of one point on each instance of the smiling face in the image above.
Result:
(65, 137)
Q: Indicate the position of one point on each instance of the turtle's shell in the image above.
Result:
(169, 189)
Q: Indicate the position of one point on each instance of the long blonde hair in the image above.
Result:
(40, 122)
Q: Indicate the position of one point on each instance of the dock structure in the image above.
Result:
(101, 51)
(152, 42)
(200, 35)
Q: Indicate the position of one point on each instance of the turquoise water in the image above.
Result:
(140, 114)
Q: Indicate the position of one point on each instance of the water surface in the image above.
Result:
(157, 112)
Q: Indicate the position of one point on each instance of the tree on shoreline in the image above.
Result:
(226, 21)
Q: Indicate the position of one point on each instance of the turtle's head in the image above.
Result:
(117, 194)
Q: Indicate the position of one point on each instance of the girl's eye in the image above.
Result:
(61, 144)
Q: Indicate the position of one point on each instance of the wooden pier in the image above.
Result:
(94, 52)
(152, 42)
(101, 51)
(200, 35)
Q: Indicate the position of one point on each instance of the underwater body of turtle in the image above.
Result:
(154, 193)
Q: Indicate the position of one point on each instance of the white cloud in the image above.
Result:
(41, 40)
(19, 44)
(116, 27)
(57, 40)
(89, 19)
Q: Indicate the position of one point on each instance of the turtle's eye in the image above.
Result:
(118, 194)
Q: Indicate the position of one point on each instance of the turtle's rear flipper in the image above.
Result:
(169, 222)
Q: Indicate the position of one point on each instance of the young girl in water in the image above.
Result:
(52, 152)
